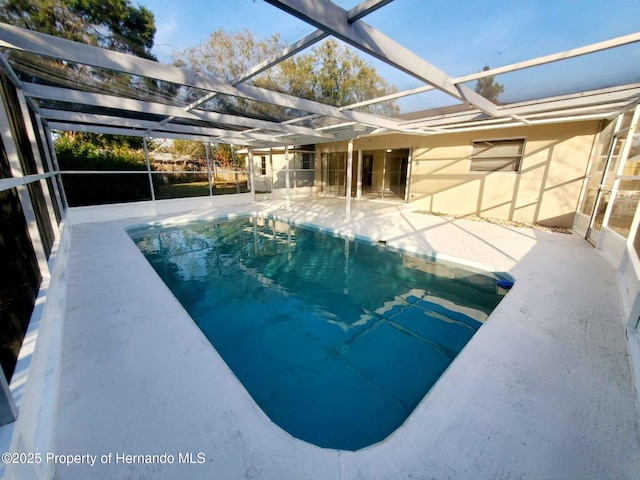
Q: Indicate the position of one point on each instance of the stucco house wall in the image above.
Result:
(546, 190)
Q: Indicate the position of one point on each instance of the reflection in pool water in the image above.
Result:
(336, 340)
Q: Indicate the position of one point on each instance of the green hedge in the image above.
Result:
(80, 153)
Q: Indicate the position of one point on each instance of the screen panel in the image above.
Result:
(19, 281)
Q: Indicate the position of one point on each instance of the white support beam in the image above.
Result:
(114, 121)
(55, 47)
(6, 66)
(597, 97)
(259, 68)
(100, 100)
(389, 97)
(76, 127)
(93, 118)
(254, 123)
(331, 18)
(108, 101)
(26, 40)
(349, 179)
(284, 100)
(606, 108)
(210, 177)
(354, 14)
(520, 119)
(622, 159)
(534, 62)
(11, 182)
(98, 119)
(287, 52)
(572, 118)
(515, 123)
(46, 147)
(252, 178)
(56, 165)
(11, 150)
(189, 133)
(235, 168)
(596, 100)
(359, 175)
(30, 129)
(146, 159)
(286, 172)
(627, 106)
(555, 57)
(365, 8)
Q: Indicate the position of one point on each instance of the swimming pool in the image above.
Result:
(337, 340)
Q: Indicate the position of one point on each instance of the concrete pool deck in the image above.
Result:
(544, 390)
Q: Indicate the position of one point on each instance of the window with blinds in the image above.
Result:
(497, 155)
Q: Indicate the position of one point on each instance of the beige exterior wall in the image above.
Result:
(274, 177)
(546, 190)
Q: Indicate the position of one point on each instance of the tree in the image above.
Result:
(88, 151)
(113, 24)
(218, 152)
(222, 155)
(333, 73)
(84, 151)
(330, 73)
(488, 88)
(189, 148)
(101, 141)
(228, 55)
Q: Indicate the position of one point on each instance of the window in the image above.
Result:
(497, 155)
(263, 165)
(627, 197)
(307, 161)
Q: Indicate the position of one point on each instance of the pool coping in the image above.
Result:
(140, 231)
(409, 451)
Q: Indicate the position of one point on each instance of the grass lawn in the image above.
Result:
(194, 189)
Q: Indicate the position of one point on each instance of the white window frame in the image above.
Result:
(263, 165)
(310, 160)
(488, 140)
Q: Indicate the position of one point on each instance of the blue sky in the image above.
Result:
(457, 36)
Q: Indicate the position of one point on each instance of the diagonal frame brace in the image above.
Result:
(327, 16)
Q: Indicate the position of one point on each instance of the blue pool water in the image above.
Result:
(336, 340)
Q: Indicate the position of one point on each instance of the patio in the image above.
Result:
(109, 365)
(543, 390)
